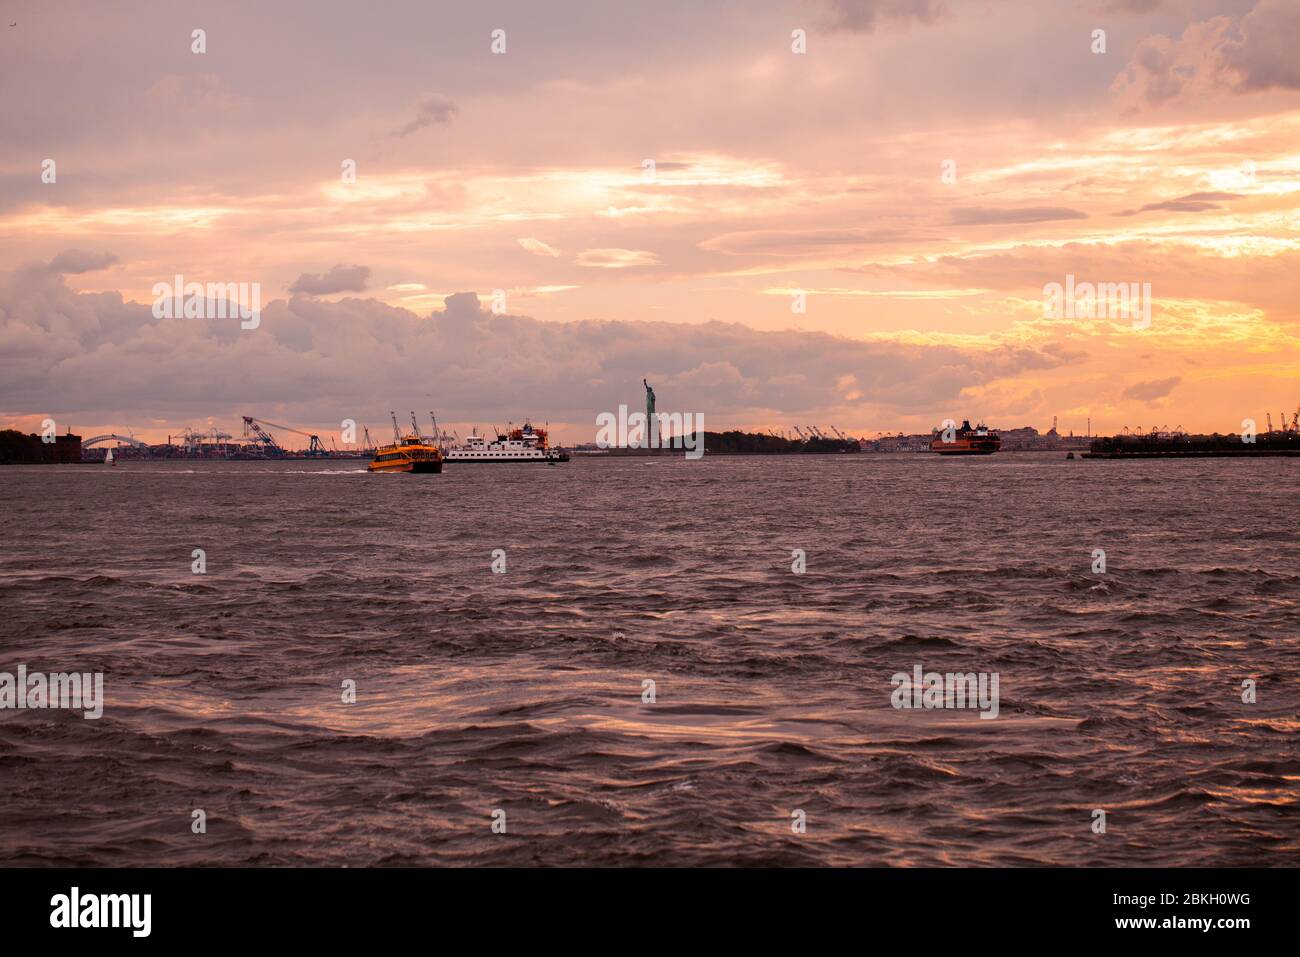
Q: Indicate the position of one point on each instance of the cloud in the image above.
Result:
(1132, 6)
(616, 258)
(863, 16)
(1191, 203)
(803, 242)
(338, 279)
(537, 247)
(1162, 69)
(76, 261)
(192, 93)
(1152, 390)
(987, 216)
(1265, 57)
(1175, 271)
(1215, 56)
(315, 361)
(435, 109)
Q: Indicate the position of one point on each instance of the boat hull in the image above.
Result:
(411, 455)
(424, 467)
(505, 460)
(966, 446)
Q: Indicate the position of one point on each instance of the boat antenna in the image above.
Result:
(397, 436)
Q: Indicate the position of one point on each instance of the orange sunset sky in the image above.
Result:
(1172, 158)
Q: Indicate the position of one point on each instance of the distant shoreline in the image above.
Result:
(1209, 454)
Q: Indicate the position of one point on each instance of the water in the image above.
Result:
(523, 692)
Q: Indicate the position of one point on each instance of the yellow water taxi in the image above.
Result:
(408, 453)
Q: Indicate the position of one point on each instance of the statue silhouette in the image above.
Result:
(651, 423)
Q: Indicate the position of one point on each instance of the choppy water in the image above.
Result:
(523, 691)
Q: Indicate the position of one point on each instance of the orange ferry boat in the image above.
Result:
(408, 453)
(980, 440)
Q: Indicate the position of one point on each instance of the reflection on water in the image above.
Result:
(524, 691)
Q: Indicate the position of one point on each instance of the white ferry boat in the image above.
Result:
(518, 445)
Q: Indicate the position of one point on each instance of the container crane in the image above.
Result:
(258, 427)
(269, 445)
(438, 437)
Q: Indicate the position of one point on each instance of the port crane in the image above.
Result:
(258, 428)
(439, 437)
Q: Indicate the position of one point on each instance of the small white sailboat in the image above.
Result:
(109, 458)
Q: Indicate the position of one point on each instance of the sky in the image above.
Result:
(856, 235)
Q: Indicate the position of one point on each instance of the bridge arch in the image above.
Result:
(129, 440)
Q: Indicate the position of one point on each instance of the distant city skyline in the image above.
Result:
(858, 235)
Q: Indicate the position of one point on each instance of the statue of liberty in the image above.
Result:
(651, 423)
